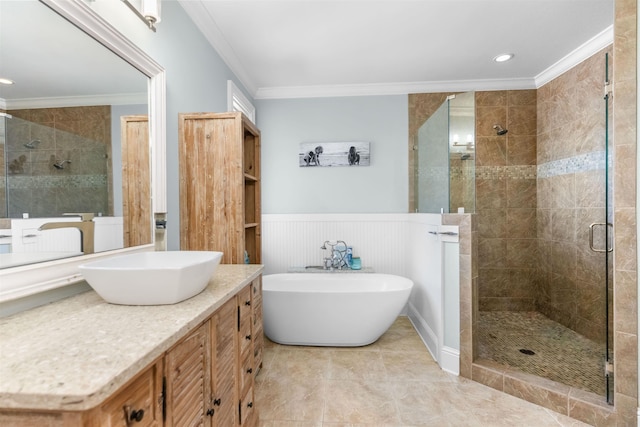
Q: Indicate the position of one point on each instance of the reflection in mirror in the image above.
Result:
(60, 137)
(446, 158)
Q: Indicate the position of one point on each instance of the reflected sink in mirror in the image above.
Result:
(151, 278)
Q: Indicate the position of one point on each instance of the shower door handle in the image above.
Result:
(608, 248)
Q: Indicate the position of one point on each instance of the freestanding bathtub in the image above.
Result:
(331, 309)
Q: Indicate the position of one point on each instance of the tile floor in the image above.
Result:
(392, 383)
(561, 354)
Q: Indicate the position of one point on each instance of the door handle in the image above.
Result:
(591, 246)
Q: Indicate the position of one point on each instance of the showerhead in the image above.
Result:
(499, 129)
(60, 165)
(32, 144)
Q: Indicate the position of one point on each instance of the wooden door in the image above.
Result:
(136, 180)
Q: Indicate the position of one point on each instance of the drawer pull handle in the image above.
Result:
(250, 405)
(247, 302)
(249, 371)
(217, 402)
(210, 412)
(137, 416)
(133, 414)
(248, 337)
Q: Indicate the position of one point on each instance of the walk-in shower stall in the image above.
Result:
(536, 164)
(48, 171)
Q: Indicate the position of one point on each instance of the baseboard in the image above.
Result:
(450, 360)
(429, 338)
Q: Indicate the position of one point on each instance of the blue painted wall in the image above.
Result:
(381, 187)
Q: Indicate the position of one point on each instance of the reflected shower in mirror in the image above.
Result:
(445, 158)
(60, 135)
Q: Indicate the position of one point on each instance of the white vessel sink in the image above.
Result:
(151, 278)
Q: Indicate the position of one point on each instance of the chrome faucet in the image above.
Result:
(86, 227)
(337, 258)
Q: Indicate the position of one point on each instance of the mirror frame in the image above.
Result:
(19, 282)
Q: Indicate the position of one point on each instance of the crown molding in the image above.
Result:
(75, 101)
(579, 54)
(208, 27)
(392, 88)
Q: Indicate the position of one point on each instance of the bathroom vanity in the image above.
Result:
(84, 362)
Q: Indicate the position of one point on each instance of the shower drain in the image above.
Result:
(527, 351)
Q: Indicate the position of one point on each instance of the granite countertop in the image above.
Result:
(73, 354)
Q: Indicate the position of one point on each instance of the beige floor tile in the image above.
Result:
(360, 402)
(391, 383)
(400, 340)
(290, 399)
(355, 365)
(412, 365)
(297, 362)
(281, 423)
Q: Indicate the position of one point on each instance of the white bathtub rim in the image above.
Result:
(335, 282)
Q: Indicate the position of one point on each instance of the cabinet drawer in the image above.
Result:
(246, 374)
(247, 409)
(244, 302)
(246, 337)
(138, 402)
(257, 313)
(256, 288)
(258, 345)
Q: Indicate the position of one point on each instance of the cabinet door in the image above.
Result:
(138, 404)
(223, 365)
(187, 373)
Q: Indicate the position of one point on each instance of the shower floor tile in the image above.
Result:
(559, 354)
(393, 382)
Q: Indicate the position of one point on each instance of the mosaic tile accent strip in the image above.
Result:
(561, 354)
(70, 181)
(504, 172)
(582, 163)
(462, 172)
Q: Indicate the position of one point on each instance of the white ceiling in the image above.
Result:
(294, 48)
(289, 48)
(53, 63)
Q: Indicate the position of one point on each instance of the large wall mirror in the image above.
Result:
(81, 90)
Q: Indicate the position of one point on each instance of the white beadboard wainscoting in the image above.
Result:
(408, 245)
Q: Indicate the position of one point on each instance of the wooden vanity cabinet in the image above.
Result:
(205, 379)
(208, 379)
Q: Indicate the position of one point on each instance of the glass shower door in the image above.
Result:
(432, 186)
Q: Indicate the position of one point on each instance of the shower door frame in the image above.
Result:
(608, 254)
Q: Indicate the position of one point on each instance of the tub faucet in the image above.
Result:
(337, 259)
(86, 227)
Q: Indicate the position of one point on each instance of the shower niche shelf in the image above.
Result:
(220, 190)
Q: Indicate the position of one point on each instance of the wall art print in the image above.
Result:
(326, 154)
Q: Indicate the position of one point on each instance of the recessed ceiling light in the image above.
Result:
(4, 81)
(503, 57)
